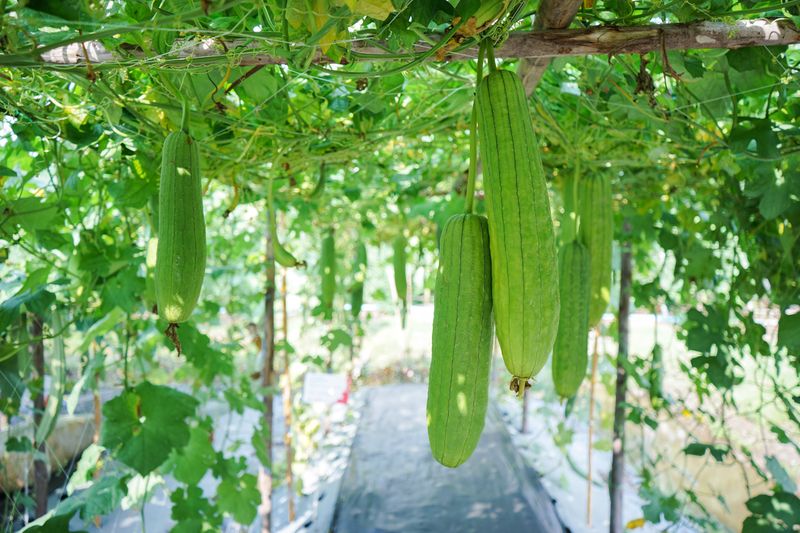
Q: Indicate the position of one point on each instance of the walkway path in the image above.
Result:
(393, 484)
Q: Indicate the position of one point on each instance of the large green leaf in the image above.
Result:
(239, 497)
(194, 460)
(789, 331)
(143, 425)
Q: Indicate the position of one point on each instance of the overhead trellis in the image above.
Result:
(357, 111)
(608, 40)
(229, 42)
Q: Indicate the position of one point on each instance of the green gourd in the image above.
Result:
(458, 386)
(570, 354)
(282, 256)
(400, 279)
(597, 233)
(656, 375)
(359, 277)
(328, 274)
(522, 240)
(181, 249)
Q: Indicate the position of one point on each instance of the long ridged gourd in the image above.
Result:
(327, 270)
(524, 256)
(458, 386)
(656, 375)
(570, 353)
(359, 277)
(400, 280)
(281, 255)
(181, 250)
(597, 233)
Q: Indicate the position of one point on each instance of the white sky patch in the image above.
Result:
(570, 87)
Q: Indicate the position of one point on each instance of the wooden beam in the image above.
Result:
(614, 40)
(605, 40)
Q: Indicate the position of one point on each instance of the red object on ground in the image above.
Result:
(346, 394)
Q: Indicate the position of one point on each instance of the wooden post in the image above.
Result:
(617, 475)
(268, 349)
(552, 14)
(41, 477)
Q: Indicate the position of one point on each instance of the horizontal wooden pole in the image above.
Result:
(611, 40)
(640, 39)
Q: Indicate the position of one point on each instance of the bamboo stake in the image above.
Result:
(593, 382)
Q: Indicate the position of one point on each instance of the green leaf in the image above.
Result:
(111, 320)
(19, 444)
(35, 301)
(239, 497)
(260, 86)
(197, 349)
(745, 59)
(144, 425)
(259, 440)
(54, 524)
(659, 505)
(718, 451)
(759, 136)
(713, 91)
(776, 199)
(376, 9)
(704, 331)
(336, 338)
(87, 465)
(193, 512)
(52, 240)
(124, 289)
(784, 438)
(131, 192)
(623, 8)
(65, 9)
(773, 513)
(101, 498)
(29, 213)
(194, 460)
(789, 331)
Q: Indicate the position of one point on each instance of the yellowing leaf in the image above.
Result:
(636, 523)
(321, 14)
(321, 17)
(329, 39)
(296, 13)
(376, 9)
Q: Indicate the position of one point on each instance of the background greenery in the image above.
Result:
(702, 147)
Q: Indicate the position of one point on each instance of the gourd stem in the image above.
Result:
(479, 70)
(473, 163)
(473, 140)
(185, 117)
(271, 209)
(490, 54)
